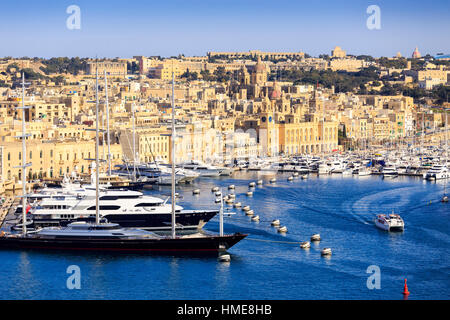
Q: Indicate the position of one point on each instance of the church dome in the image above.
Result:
(260, 66)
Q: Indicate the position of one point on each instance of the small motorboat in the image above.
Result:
(275, 223)
(249, 212)
(255, 218)
(290, 178)
(218, 193)
(326, 252)
(231, 186)
(224, 257)
(390, 222)
(305, 245)
(246, 208)
(217, 200)
(304, 177)
(214, 189)
(229, 201)
(231, 196)
(249, 193)
(259, 182)
(196, 191)
(315, 237)
(282, 229)
(237, 205)
(273, 180)
(252, 184)
(444, 199)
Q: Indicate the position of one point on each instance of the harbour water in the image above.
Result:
(269, 265)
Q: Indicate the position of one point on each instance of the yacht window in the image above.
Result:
(105, 208)
(144, 204)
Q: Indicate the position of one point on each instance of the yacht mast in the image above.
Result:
(107, 126)
(421, 137)
(24, 160)
(134, 143)
(97, 168)
(221, 215)
(323, 127)
(173, 156)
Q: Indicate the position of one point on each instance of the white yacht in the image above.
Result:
(205, 170)
(390, 171)
(324, 168)
(338, 166)
(128, 208)
(390, 222)
(437, 172)
(364, 172)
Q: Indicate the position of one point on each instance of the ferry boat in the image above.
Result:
(390, 222)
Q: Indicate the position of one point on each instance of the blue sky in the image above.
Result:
(193, 27)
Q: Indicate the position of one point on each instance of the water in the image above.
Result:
(266, 265)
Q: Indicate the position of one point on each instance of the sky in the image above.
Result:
(193, 27)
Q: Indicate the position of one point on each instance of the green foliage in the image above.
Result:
(365, 58)
(64, 65)
(341, 80)
(206, 75)
(12, 66)
(30, 74)
(221, 75)
(132, 67)
(399, 63)
(417, 64)
(190, 76)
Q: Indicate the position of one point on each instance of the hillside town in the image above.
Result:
(230, 106)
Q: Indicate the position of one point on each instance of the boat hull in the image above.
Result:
(194, 244)
(189, 219)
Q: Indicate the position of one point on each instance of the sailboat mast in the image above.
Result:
(107, 125)
(24, 162)
(97, 167)
(134, 143)
(173, 156)
(221, 215)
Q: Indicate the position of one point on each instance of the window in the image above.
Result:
(105, 208)
(143, 204)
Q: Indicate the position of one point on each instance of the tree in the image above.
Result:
(190, 76)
